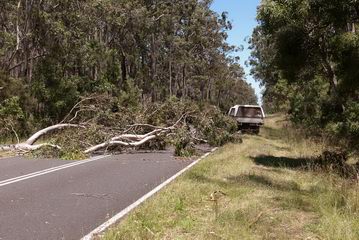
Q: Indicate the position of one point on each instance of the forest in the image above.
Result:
(306, 55)
(127, 55)
(71, 61)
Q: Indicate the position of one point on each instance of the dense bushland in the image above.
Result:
(54, 53)
(306, 54)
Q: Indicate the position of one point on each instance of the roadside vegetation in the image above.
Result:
(106, 65)
(306, 55)
(54, 54)
(98, 124)
(264, 188)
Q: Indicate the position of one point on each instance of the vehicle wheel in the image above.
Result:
(256, 131)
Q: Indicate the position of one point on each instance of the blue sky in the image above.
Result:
(242, 14)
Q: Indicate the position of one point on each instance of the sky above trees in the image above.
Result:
(242, 13)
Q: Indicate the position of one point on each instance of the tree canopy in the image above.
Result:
(54, 52)
(306, 54)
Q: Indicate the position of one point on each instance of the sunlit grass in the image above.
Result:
(262, 200)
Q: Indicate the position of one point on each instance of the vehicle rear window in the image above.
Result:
(251, 112)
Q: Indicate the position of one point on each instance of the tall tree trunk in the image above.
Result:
(333, 82)
(184, 82)
(209, 89)
(219, 98)
(170, 73)
(176, 84)
(18, 32)
(27, 47)
(153, 67)
(329, 70)
(123, 71)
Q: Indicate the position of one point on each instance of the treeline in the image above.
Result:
(53, 52)
(306, 54)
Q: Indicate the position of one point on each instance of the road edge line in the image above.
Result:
(141, 200)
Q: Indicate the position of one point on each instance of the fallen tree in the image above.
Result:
(29, 144)
(127, 140)
(104, 125)
(135, 140)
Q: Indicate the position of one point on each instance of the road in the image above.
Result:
(57, 199)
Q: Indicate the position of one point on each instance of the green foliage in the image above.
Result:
(308, 64)
(351, 126)
(192, 124)
(131, 96)
(135, 51)
(46, 152)
(184, 147)
(170, 111)
(72, 153)
(306, 105)
(10, 108)
(216, 127)
(146, 61)
(11, 117)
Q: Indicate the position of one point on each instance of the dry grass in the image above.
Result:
(6, 154)
(268, 196)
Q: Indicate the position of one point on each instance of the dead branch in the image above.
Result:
(135, 140)
(125, 139)
(44, 131)
(143, 125)
(26, 147)
(15, 133)
(74, 107)
(23, 62)
(126, 144)
(29, 144)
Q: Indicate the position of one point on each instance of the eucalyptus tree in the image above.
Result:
(54, 52)
(311, 49)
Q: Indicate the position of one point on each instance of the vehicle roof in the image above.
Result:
(255, 106)
(247, 106)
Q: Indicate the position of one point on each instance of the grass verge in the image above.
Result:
(254, 190)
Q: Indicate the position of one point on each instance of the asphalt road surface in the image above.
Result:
(56, 199)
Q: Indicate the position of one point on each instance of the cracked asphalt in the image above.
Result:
(56, 199)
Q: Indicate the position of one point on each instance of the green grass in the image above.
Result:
(267, 196)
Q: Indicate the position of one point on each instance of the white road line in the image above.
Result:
(38, 172)
(128, 209)
(47, 171)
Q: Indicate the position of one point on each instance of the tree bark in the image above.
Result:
(44, 131)
(29, 144)
(170, 72)
(18, 38)
(153, 66)
(123, 70)
(184, 82)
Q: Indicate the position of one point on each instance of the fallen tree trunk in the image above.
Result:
(135, 140)
(115, 142)
(44, 131)
(131, 140)
(125, 139)
(28, 145)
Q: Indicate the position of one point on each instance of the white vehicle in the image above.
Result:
(249, 117)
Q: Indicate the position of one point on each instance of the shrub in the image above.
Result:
(11, 117)
(182, 141)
